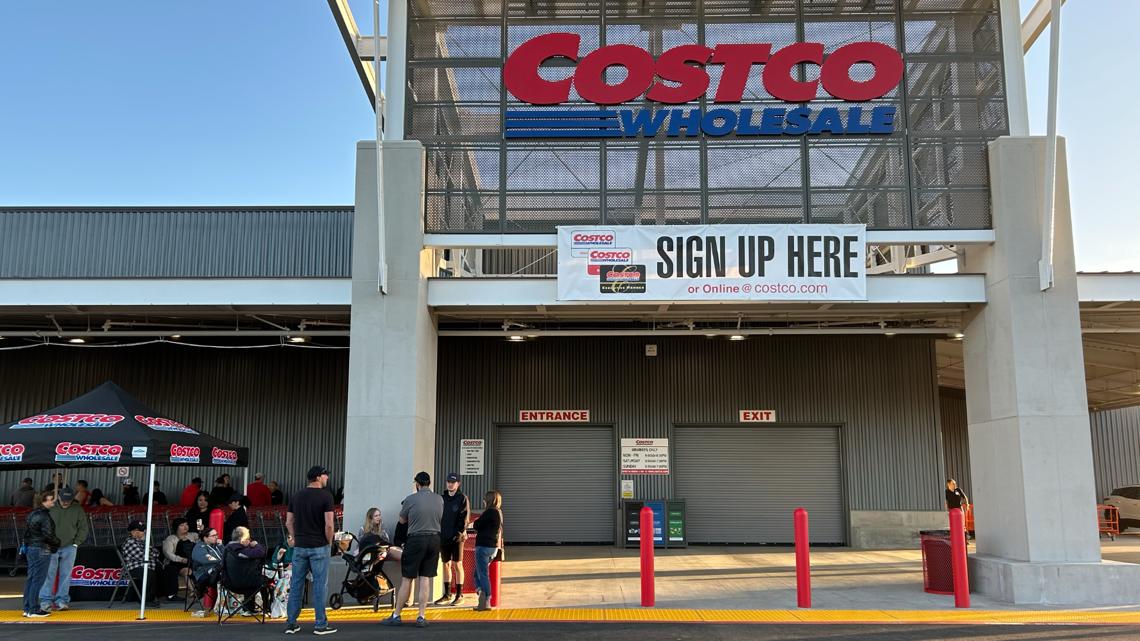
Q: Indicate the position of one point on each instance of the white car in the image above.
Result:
(1127, 500)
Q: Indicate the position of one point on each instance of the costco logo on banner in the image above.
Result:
(67, 420)
(680, 76)
(11, 452)
(164, 424)
(185, 453)
(68, 452)
(224, 457)
(84, 576)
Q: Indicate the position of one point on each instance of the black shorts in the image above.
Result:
(421, 556)
(451, 551)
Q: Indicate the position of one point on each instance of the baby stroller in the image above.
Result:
(365, 579)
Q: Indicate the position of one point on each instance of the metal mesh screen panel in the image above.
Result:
(931, 173)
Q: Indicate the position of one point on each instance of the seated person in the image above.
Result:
(176, 551)
(134, 559)
(206, 563)
(242, 564)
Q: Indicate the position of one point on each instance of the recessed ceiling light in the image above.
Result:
(297, 339)
(959, 336)
(515, 338)
(889, 333)
(736, 337)
(176, 336)
(76, 341)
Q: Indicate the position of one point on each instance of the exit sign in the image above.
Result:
(757, 416)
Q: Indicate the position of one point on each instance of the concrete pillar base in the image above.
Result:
(1103, 583)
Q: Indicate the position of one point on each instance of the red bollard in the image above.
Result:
(803, 558)
(646, 536)
(495, 575)
(217, 521)
(958, 559)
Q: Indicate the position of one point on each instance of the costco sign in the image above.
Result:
(680, 76)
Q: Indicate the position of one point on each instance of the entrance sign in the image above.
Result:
(680, 76)
(471, 456)
(554, 416)
(757, 416)
(713, 262)
(645, 456)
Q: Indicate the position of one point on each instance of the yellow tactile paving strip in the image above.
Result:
(640, 615)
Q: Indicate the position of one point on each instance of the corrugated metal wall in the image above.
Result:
(1115, 444)
(882, 391)
(956, 438)
(286, 404)
(1116, 448)
(190, 242)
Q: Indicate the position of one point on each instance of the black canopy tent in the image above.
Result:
(108, 427)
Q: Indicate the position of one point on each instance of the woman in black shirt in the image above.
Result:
(198, 516)
(488, 538)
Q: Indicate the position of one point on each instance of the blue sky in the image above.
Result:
(256, 102)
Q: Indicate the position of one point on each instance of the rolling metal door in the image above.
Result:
(741, 484)
(557, 484)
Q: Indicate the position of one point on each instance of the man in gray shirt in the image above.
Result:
(422, 511)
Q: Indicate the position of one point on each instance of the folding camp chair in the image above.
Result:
(240, 584)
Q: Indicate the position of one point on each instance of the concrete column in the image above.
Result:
(392, 359)
(1030, 448)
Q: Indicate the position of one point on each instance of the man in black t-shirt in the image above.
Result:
(956, 499)
(309, 522)
(452, 534)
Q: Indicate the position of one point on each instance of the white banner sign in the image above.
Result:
(471, 457)
(713, 262)
(645, 456)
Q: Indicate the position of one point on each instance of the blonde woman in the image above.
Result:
(488, 538)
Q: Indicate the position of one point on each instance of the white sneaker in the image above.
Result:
(199, 613)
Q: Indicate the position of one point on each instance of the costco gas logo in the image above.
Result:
(84, 576)
(223, 457)
(185, 453)
(68, 452)
(11, 452)
(680, 76)
(67, 420)
(164, 424)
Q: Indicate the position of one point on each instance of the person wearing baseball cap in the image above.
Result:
(71, 529)
(135, 558)
(452, 534)
(309, 522)
(237, 518)
(258, 492)
(422, 511)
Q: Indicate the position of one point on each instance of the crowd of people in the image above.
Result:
(432, 527)
(258, 493)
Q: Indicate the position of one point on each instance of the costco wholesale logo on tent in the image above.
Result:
(68, 452)
(224, 457)
(12, 452)
(164, 424)
(67, 420)
(679, 76)
(184, 453)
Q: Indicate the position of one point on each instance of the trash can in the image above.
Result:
(937, 562)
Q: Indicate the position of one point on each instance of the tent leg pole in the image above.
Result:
(146, 565)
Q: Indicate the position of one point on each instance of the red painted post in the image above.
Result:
(958, 559)
(803, 558)
(495, 575)
(217, 521)
(648, 598)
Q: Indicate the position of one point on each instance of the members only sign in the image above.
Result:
(712, 262)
